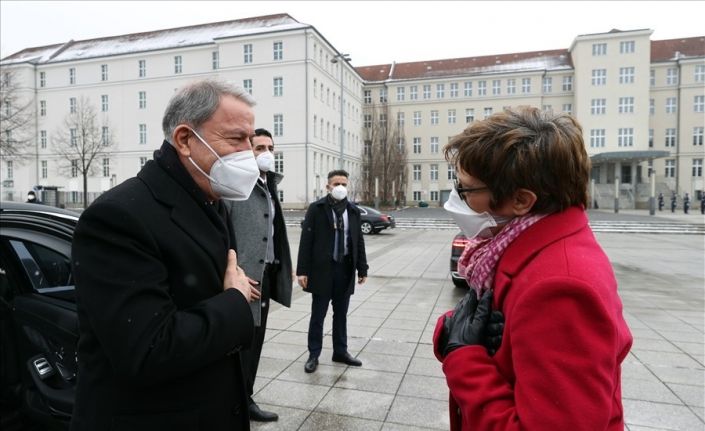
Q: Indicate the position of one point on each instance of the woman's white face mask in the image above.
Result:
(472, 223)
(233, 176)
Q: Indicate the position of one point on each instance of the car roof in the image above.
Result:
(368, 209)
(39, 210)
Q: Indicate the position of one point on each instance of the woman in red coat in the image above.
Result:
(521, 196)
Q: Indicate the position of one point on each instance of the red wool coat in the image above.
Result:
(564, 338)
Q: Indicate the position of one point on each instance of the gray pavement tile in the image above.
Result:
(424, 387)
(291, 337)
(425, 351)
(388, 426)
(369, 312)
(670, 374)
(325, 375)
(633, 369)
(373, 304)
(271, 333)
(657, 345)
(359, 404)
(649, 357)
(411, 315)
(383, 362)
(300, 326)
(369, 380)
(675, 326)
(687, 336)
(260, 382)
(365, 321)
(692, 395)
(400, 335)
(425, 367)
(321, 421)
(361, 331)
(648, 390)
(645, 333)
(398, 348)
(419, 412)
(413, 325)
(291, 394)
(283, 351)
(271, 367)
(414, 306)
(289, 418)
(288, 314)
(274, 323)
(657, 415)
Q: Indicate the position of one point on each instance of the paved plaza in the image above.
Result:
(401, 386)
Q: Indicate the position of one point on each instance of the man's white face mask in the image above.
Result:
(339, 192)
(233, 176)
(265, 161)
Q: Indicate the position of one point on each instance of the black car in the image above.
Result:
(373, 221)
(456, 249)
(38, 323)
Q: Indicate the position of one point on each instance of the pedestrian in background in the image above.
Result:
(673, 202)
(331, 250)
(702, 203)
(521, 194)
(31, 197)
(263, 247)
(660, 201)
(686, 203)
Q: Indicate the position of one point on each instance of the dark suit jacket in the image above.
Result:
(159, 338)
(316, 247)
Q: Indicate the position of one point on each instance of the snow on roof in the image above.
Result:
(154, 40)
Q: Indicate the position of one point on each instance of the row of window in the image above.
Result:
(625, 47)
(626, 76)
(670, 168)
(626, 105)
(625, 137)
(333, 101)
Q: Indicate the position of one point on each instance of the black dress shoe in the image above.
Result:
(346, 358)
(311, 364)
(259, 415)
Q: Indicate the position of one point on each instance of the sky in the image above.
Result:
(372, 32)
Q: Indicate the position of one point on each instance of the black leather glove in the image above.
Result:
(470, 297)
(468, 324)
(495, 328)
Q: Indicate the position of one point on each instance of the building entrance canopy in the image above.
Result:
(628, 156)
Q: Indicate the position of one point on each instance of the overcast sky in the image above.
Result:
(372, 32)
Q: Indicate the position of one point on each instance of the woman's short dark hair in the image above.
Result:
(527, 148)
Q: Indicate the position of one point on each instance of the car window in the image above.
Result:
(46, 269)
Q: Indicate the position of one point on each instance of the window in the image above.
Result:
(42, 108)
(626, 47)
(367, 121)
(567, 83)
(72, 75)
(670, 137)
(142, 68)
(626, 75)
(416, 195)
(278, 86)
(10, 170)
(178, 64)
(106, 167)
(72, 105)
(626, 105)
(73, 137)
(496, 90)
(315, 126)
(382, 120)
(401, 94)
(247, 85)
(652, 107)
(454, 89)
(697, 167)
(451, 171)
(417, 118)
(670, 170)
(44, 169)
(467, 90)
(42, 79)
(142, 96)
(598, 106)
(103, 72)
(368, 97)
(278, 125)
(651, 138)
(699, 75)
(215, 60)
(104, 103)
(469, 115)
(451, 116)
(74, 168)
(416, 173)
(278, 51)
(526, 85)
(383, 95)
(511, 86)
(625, 137)
(143, 161)
(670, 105)
(433, 172)
(434, 195)
(547, 108)
(597, 138)
(599, 76)
(697, 135)
(434, 145)
(440, 91)
(568, 108)
(426, 91)
(105, 136)
(417, 145)
(672, 76)
(547, 84)
(279, 162)
(434, 118)
(43, 138)
(413, 92)
(143, 134)
(699, 103)
(247, 53)
(599, 49)
(400, 120)
(652, 77)
(482, 88)
(280, 192)
(488, 112)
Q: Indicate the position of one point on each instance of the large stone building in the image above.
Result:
(640, 103)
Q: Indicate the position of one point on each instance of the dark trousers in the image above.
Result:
(342, 272)
(250, 357)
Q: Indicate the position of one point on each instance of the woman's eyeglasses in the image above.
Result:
(462, 190)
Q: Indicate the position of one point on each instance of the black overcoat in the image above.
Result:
(315, 258)
(159, 338)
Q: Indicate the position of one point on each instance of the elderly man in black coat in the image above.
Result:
(162, 304)
(331, 249)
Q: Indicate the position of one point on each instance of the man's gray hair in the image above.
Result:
(195, 103)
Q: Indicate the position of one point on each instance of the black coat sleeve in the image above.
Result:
(303, 262)
(362, 266)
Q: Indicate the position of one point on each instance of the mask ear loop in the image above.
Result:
(205, 143)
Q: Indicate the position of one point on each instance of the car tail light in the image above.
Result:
(460, 242)
(385, 217)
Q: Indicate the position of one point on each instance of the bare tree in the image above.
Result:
(383, 156)
(16, 117)
(82, 138)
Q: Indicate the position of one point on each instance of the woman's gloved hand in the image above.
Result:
(495, 328)
(468, 324)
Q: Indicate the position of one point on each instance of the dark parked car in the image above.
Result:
(456, 249)
(373, 221)
(38, 321)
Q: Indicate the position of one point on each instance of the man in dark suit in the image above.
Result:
(330, 251)
(264, 253)
(162, 304)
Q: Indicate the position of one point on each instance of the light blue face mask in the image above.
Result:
(472, 223)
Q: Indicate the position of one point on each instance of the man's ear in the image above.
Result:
(180, 140)
(522, 201)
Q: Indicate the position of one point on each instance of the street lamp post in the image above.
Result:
(345, 58)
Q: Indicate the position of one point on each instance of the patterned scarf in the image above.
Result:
(478, 262)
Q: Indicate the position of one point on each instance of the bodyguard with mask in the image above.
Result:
(163, 306)
(264, 255)
(331, 250)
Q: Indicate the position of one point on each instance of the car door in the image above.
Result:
(40, 324)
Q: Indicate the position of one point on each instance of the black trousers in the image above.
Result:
(342, 272)
(250, 357)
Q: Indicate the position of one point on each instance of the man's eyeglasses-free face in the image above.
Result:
(462, 190)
